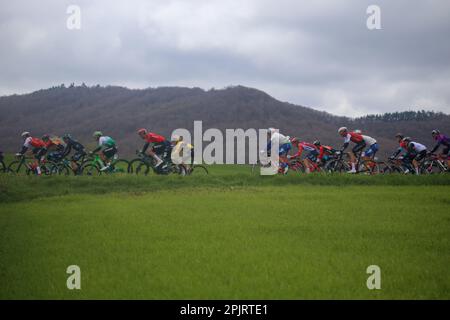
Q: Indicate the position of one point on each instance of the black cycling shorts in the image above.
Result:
(421, 155)
(415, 155)
(162, 149)
(110, 152)
(39, 152)
(78, 155)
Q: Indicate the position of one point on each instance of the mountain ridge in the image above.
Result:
(119, 111)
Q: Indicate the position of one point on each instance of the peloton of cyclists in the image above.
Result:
(411, 152)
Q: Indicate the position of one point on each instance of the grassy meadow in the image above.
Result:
(229, 235)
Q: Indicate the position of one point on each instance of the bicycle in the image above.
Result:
(337, 163)
(433, 164)
(64, 166)
(21, 166)
(199, 168)
(392, 166)
(143, 163)
(92, 166)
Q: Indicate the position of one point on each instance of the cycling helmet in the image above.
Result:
(316, 143)
(406, 139)
(271, 130)
(342, 129)
(142, 131)
(45, 137)
(410, 145)
(358, 131)
(97, 134)
(67, 136)
(25, 134)
(294, 140)
(175, 138)
(435, 132)
(399, 135)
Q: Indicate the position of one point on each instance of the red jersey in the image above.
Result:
(34, 142)
(154, 138)
(353, 137)
(324, 149)
(304, 146)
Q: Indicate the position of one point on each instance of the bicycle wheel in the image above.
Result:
(49, 168)
(18, 167)
(369, 167)
(90, 170)
(137, 166)
(62, 169)
(296, 167)
(120, 166)
(178, 169)
(199, 170)
(336, 166)
(430, 167)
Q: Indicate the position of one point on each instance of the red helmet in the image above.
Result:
(142, 131)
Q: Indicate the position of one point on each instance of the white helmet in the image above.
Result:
(25, 134)
(358, 131)
(175, 138)
(271, 130)
(342, 129)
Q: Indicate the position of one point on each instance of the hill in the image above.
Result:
(119, 111)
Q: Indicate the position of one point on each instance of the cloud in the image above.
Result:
(314, 53)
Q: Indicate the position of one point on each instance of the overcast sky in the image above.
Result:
(314, 53)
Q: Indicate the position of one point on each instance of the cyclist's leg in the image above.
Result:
(356, 150)
(418, 160)
(39, 155)
(446, 155)
(106, 155)
(157, 153)
(282, 154)
(369, 155)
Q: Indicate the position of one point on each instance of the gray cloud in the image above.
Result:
(315, 53)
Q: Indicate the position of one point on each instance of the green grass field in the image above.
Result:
(226, 236)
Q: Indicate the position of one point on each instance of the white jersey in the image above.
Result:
(278, 137)
(418, 147)
(27, 142)
(369, 140)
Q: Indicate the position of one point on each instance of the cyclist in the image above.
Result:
(325, 152)
(72, 144)
(178, 148)
(361, 141)
(161, 148)
(444, 141)
(402, 146)
(284, 146)
(54, 147)
(415, 152)
(311, 156)
(38, 149)
(108, 149)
